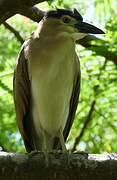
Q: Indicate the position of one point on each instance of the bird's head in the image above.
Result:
(68, 23)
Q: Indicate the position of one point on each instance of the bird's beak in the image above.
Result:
(84, 27)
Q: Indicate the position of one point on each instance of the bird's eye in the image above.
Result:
(66, 20)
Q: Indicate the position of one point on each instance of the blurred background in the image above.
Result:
(95, 126)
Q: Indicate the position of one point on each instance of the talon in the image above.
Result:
(33, 153)
(46, 158)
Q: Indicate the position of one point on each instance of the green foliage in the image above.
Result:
(99, 83)
(112, 32)
(61, 3)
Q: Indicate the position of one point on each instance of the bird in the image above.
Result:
(47, 80)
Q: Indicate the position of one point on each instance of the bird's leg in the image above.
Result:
(44, 148)
(64, 149)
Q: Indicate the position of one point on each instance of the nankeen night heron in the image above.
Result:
(47, 80)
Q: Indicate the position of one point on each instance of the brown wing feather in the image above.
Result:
(73, 107)
(74, 99)
(22, 98)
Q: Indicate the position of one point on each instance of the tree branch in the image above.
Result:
(5, 87)
(33, 13)
(84, 126)
(100, 49)
(14, 31)
(81, 166)
(12, 7)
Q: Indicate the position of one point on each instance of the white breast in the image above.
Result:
(52, 83)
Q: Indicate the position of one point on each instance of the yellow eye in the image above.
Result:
(66, 20)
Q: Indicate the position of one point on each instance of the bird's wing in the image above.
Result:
(74, 99)
(22, 98)
(73, 104)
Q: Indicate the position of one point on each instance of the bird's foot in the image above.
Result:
(81, 153)
(68, 154)
(45, 153)
(46, 158)
(33, 153)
